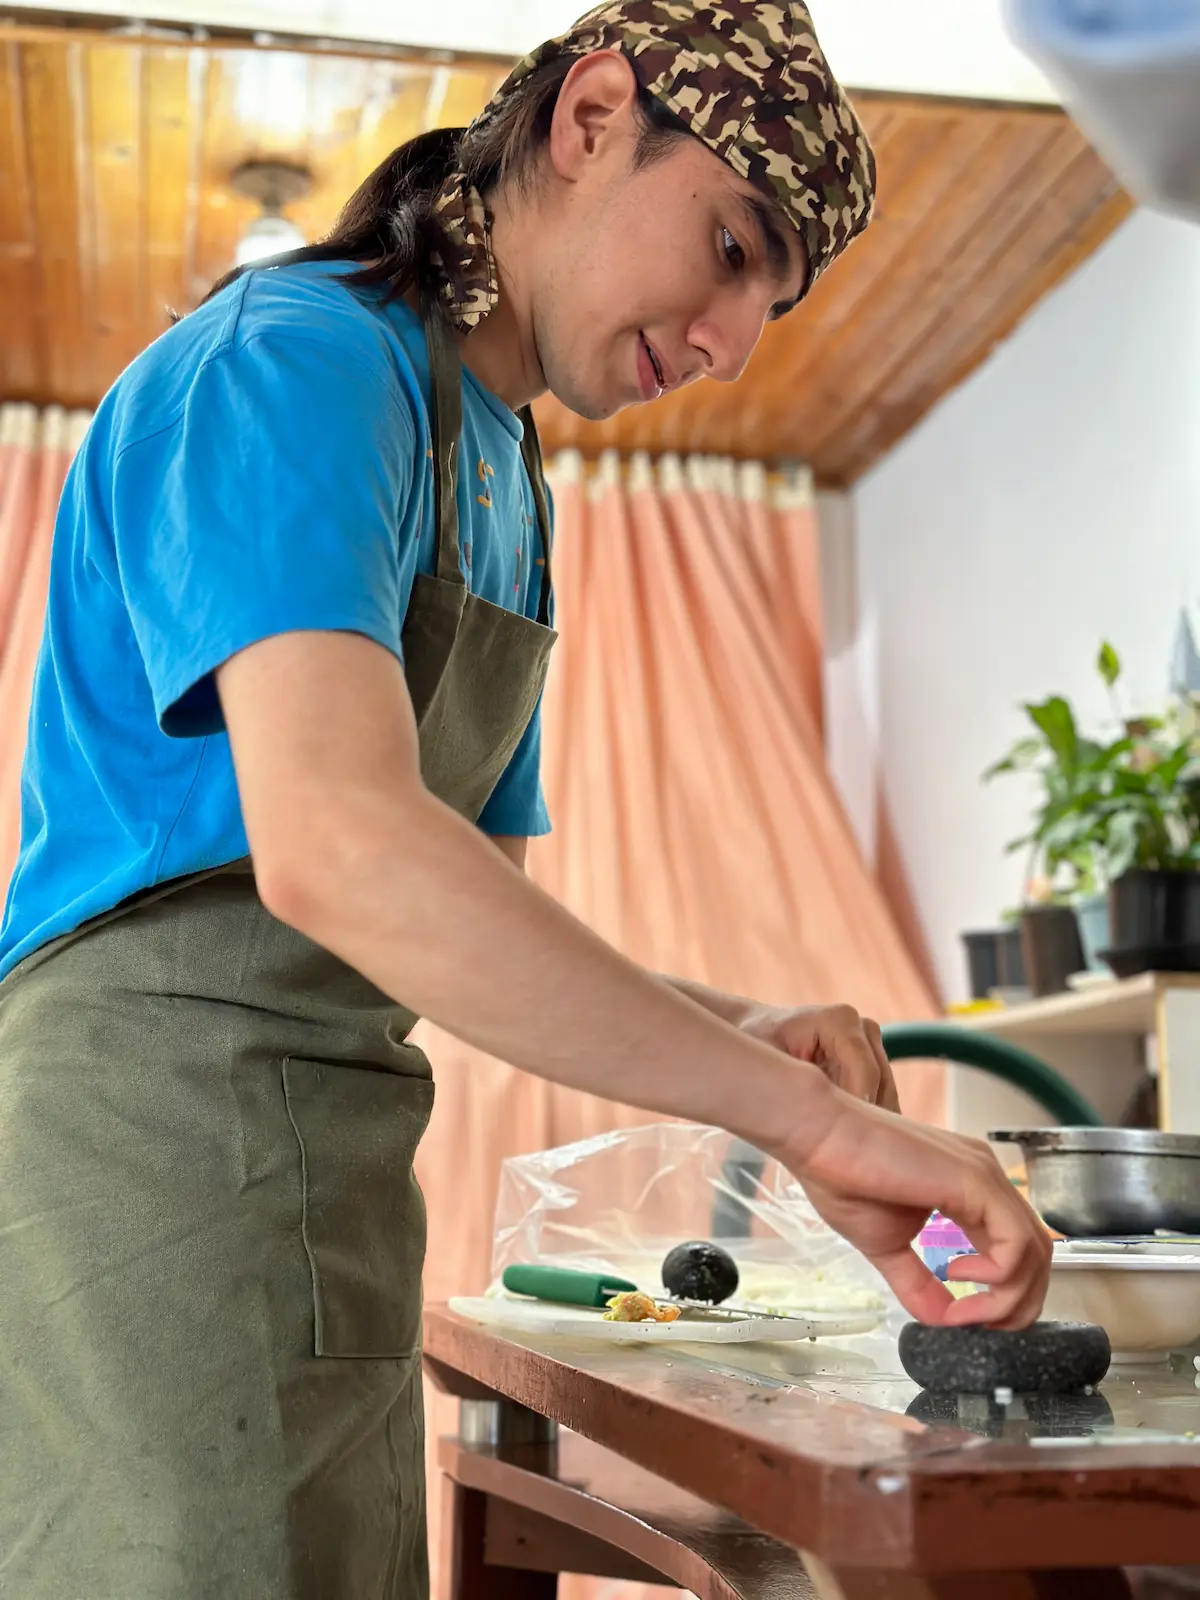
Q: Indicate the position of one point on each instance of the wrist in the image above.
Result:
(790, 1116)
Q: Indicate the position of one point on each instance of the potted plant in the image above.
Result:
(1065, 860)
(994, 959)
(1115, 838)
(1150, 820)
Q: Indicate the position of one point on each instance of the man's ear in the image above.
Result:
(595, 114)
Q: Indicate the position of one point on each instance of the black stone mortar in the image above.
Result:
(1049, 1358)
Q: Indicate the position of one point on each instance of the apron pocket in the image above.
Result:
(364, 1215)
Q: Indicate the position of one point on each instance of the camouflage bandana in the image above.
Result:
(464, 223)
(749, 80)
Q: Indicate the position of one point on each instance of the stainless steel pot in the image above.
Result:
(1102, 1183)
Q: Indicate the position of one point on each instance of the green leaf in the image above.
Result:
(1110, 754)
(1167, 771)
(1108, 664)
(1057, 723)
(1123, 841)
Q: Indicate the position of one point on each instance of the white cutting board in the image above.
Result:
(585, 1322)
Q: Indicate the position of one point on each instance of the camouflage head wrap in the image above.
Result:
(749, 80)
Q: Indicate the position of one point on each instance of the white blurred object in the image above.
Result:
(1129, 71)
(1185, 659)
(267, 236)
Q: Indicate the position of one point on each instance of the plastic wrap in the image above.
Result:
(618, 1202)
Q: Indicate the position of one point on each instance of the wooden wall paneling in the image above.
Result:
(117, 153)
(394, 112)
(1022, 215)
(917, 158)
(940, 196)
(114, 198)
(231, 132)
(21, 352)
(747, 412)
(338, 94)
(1063, 224)
(467, 91)
(173, 116)
(53, 81)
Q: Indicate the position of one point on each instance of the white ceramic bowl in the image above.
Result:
(1149, 1304)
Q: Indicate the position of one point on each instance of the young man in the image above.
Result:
(283, 763)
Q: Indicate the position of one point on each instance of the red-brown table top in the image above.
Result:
(814, 1444)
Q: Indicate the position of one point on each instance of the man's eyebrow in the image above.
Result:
(770, 227)
(765, 220)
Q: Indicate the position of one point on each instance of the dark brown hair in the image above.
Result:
(388, 221)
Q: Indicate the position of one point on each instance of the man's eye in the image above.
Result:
(734, 253)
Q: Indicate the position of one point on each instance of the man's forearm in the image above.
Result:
(732, 1008)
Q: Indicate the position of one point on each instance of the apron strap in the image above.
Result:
(445, 374)
(531, 453)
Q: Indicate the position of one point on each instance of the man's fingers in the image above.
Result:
(916, 1288)
(887, 1095)
(846, 1045)
(858, 1070)
(1013, 1265)
(1013, 1307)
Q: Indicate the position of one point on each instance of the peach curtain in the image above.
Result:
(36, 448)
(695, 824)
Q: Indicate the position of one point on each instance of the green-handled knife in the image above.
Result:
(564, 1286)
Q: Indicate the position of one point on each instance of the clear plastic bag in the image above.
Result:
(618, 1202)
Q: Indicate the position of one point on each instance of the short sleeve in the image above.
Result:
(516, 807)
(271, 504)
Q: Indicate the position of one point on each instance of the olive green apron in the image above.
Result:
(211, 1238)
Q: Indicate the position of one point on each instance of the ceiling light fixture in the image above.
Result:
(273, 185)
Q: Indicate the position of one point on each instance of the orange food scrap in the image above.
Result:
(634, 1306)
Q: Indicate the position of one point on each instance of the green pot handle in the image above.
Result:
(942, 1041)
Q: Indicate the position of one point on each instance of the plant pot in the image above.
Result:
(994, 960)
(1155, 919)
(1091, 913)
(1051, 946)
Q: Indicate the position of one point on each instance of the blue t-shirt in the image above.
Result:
(264, 467)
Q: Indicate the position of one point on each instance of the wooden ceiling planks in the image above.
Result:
(18, 261)
(116, 151)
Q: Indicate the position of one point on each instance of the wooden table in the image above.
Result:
(712, 1466)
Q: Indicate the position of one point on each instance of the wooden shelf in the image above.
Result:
(1124, 1006)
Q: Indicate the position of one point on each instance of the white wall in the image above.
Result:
(1051, 501)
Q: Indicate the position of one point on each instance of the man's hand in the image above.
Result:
(875, 1178)
(847, 1048)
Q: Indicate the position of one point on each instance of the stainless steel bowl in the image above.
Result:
(1102, 1183)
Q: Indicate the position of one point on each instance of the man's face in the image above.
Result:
(644, 280)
